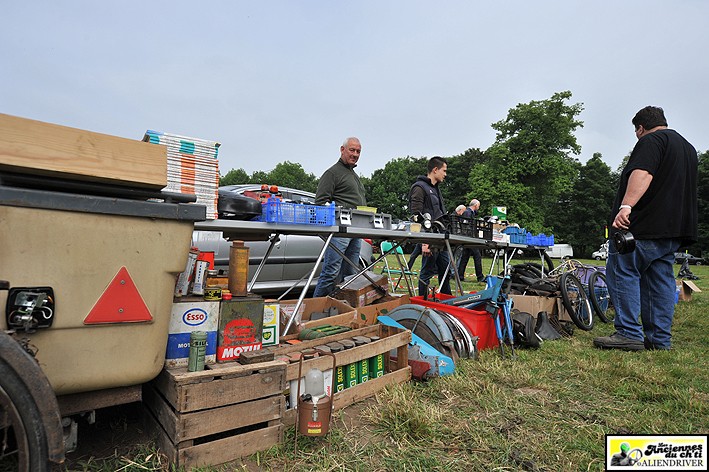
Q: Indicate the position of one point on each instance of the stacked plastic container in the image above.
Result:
(517, 235)
(192, 167)
(540, 239)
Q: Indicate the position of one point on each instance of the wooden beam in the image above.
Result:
(38, 148)
(87, 401)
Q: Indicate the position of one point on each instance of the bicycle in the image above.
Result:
(600, 297)
(593, 280)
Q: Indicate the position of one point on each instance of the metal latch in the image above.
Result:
(345, 216)
(378, 221)
(29, 308)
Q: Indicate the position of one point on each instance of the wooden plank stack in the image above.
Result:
(216, 415)
(38, 148)
(192, 167)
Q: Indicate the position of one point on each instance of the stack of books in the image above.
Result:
(192, 167)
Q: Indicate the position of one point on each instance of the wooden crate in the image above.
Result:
(219, 414)
(396, 371)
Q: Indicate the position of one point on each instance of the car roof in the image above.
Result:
(244, 187)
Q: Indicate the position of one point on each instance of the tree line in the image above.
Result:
(531, 169)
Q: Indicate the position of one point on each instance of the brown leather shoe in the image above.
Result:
(616, 341)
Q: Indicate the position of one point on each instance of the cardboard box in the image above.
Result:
(191, 314)
(533, 305)
(362, 292)
(367, 315)
(271, 325)
(314, 305)
(686, 287)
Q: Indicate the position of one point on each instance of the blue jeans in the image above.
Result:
(334, 268)
(435, 264)
(642, 283)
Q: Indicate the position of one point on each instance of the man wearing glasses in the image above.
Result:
(657, 203)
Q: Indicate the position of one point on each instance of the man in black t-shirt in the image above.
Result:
(657, 203)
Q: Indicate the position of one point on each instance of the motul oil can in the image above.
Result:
(240, 327)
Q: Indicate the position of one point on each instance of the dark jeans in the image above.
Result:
(414, 254)
(435, 264)
(477, 260)
(334, 269)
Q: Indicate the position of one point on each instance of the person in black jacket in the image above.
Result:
(425, 197)
(470, 213)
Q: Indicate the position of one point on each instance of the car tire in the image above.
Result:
(598, 258)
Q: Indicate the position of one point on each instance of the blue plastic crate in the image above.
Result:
(277, 211)
(532, 239)
(518, 238)
(540, 239)
(514, 230)
(544, 240)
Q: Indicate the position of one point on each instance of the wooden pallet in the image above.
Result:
(217, 415)
(396, 371)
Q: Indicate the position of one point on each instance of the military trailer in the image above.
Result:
(89, 251)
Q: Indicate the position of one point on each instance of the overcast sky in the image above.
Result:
(278, 81)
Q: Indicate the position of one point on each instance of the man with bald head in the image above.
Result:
(469, 213)
(340, 184)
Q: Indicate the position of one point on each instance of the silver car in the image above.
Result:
(292, 257)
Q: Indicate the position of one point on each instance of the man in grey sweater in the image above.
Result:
(340, 184)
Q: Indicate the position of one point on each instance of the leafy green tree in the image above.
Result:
(456, 188)
(532, 163)
(289, 174)
(583, 213)
(388, 188)
(260, 177)
(703, 196)
(234, 177)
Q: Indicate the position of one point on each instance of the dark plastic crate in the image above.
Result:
(460, 226)
(482, 229)
(277, 211)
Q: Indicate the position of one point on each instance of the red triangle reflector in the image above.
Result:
(120, 303)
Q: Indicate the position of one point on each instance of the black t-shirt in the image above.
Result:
(668, 209)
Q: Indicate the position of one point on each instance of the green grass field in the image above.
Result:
(545, 410)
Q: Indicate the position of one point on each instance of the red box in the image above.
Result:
(479, 322)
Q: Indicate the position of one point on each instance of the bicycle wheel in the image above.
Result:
(600, 298)
(576, 301)
(23, 446)
(532, 258)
